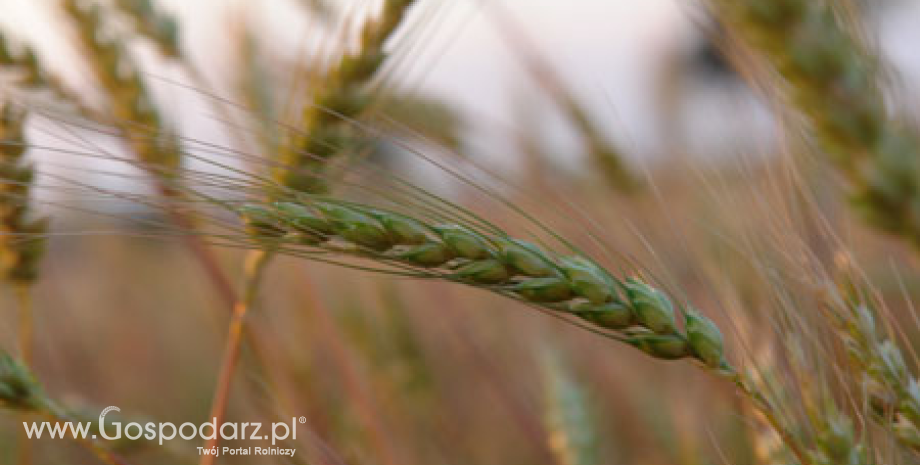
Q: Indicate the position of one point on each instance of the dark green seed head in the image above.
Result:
(463, 242)
(525, 258)
(653, 309)
(670, 347)
(705, 339)
(483, 272)
(428, 255)
(612, 315)
(588, 280)
(544, 290)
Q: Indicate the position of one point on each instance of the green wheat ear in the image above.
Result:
(632, 310)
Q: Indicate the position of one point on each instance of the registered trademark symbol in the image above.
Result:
(303, 420)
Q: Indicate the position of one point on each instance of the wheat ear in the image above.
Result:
(634, 311)
(342, 97)
(834, 82)
(629, 310)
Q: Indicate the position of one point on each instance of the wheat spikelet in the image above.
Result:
(341, 97)
(835, 83)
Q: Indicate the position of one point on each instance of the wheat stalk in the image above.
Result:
(835, 82)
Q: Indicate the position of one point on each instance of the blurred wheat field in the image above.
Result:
(302, 225)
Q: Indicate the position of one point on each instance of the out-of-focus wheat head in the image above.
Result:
(341, 96)
(834, 80)
(131, 107)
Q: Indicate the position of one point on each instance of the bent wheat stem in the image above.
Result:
(255, 265)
